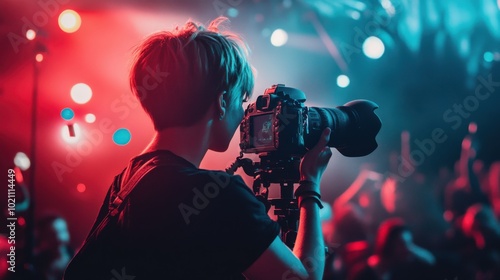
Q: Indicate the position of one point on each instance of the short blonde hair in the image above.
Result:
(177, 75)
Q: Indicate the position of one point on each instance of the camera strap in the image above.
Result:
(118, 203)
(93, 258)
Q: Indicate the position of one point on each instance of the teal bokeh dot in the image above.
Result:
(232, 12)
(67, 114)
(488, 56)
(122, 136)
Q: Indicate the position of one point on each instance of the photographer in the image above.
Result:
(182, 222)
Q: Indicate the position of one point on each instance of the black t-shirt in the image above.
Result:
(182, 222)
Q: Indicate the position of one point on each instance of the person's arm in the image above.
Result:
(467, 159)
(310, 245)
(355, 188)
(307, 260)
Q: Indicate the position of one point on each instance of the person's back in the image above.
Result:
(182, 222)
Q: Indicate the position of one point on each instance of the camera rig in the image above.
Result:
(280, 129)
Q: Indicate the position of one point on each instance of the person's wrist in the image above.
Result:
(305, 177)
(309, 198)
(307, 187)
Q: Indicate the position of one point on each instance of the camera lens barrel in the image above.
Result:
(354, 127)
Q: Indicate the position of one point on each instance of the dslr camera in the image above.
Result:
(280, 124)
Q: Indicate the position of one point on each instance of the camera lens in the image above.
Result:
(354, 127)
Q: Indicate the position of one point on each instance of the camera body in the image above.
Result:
(280, 124)
(276, 122)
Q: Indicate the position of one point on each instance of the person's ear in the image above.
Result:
(221, 105)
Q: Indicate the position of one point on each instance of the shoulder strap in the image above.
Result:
(117, 205)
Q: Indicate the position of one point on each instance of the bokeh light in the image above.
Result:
(67, 114)
(389, 7)
(81, 93)
(19, 174)
(39, 57)
(22, 161)
(488, 56)
(232, 12)
(343, 81)
(69, 21)
(355, 15)
(30, 34)
(472, 127)
(373, 47)
(122, 136)
(81, 187)
(90, 118)
(279, 37)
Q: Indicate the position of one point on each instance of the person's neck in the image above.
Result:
(190, 143)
